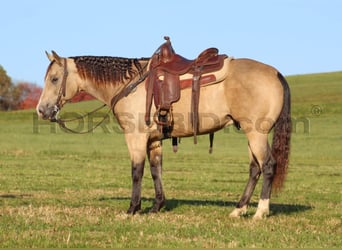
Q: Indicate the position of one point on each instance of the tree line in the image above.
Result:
(23, 95)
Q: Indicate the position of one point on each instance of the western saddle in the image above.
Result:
(164, 84)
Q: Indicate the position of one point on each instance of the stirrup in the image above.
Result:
(163, 113)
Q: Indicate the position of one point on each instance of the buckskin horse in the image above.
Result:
(251, 95)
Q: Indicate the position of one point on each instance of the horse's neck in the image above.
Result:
(104, 92)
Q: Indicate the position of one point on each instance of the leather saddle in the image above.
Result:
(164, 84)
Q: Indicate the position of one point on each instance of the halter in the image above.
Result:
(62, 92)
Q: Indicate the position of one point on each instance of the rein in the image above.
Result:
(62, 92)
(61, 122)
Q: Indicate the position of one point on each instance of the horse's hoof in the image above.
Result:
(157, 206)
(154, 210)
(261, 214)
(237, 212)
(133, 209)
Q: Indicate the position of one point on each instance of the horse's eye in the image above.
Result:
(54, 80)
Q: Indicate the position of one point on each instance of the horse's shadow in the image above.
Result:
(172, 204)
(14, 196)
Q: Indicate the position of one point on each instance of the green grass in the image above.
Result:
(66, 190)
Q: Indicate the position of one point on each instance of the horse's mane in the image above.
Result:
(109, 70)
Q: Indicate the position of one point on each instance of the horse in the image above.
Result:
(251, 95)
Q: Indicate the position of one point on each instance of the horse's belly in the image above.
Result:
(213, 111)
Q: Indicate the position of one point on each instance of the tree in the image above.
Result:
(22, 95)
(82, 96)
(28, 95)
(5, 87)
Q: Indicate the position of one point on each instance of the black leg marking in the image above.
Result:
(268, 172)
(155, 157)
(137, 174)
(160, 197)
(254, 174)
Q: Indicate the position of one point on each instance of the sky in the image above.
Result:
(295, 36)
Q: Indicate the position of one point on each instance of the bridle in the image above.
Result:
(62, 93)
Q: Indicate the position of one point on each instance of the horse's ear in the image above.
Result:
(54, 57)
(49, 56)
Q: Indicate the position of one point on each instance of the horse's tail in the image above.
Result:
(282, 137)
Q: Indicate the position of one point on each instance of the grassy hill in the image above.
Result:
(65, 190)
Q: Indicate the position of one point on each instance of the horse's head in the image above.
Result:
(59, 87)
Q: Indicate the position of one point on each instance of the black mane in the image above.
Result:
(106, 69)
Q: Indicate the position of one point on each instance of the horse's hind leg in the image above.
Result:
(268, 171)
(254, 174)
(261, 161)
(154, 152)
(261, 152)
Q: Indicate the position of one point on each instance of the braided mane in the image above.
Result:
(108, 70)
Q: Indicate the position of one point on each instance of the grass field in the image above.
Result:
(64, 190)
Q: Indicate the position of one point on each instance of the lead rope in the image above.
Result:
(61, 122)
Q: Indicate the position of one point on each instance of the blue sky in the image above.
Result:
(295, 36)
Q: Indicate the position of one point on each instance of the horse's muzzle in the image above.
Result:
(48, 113)
(54, 114)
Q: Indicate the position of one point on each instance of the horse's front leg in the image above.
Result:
(137, 174)
(155, 154)
(137, 148)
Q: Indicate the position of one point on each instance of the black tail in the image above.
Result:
(282, 138)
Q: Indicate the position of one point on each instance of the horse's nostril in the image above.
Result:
(41, 110)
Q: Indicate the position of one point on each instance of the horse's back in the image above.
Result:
(253, 90)
(252, 74)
